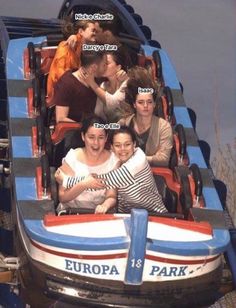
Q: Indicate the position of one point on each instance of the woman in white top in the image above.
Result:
(92, 158)
(134, 179)
(153, 134)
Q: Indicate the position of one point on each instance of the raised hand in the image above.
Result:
(72, 41)
(101, 209)
(86, 76)
(121, 75)
(91, 182)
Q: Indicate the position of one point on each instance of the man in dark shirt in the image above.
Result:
(73, 98)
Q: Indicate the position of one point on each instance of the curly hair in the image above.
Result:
(139, 77)
(70, 27)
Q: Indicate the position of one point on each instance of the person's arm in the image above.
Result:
(80, 184)
(110, 202)
(68, 181)
(118, 178)
(60, 61)
(114, 100)
(66, 195)
(72, 41)
(88, 77)
(107, 98)
(62, 114)
(61, 68)
(121, 177)
(65, 180)
(89, 182)
(125, 175)
(100, 92)
(162, 156)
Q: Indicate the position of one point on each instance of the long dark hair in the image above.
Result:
(91, 121)
(121, 57)
(122, 130)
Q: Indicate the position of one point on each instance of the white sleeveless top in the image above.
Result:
(88, 199)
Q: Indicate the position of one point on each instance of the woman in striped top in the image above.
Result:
(133, 179)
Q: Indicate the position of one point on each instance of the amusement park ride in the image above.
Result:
(144, 259)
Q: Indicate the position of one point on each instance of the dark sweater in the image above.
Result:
(70, 92)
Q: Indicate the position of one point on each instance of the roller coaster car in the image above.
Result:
(179, 154)
(67, 135)
(133, 259)
(57, 145)
(165, 106)
(37, 98)
(37, 60)
(178, 196)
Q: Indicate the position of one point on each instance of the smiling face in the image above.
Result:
(89, 34)
(144, 104)
(123, 146)
(94, 139)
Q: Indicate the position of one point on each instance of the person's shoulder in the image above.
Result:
(66, 78)
(62, 45)
(62, 86)
(126, 120)
(75, 152)
(113, 158)
(138, 157)
(71, 153)
(78, 152)
(62, 50)
(70, 156)
(137, 162)
(161, 121)
(74, 158)
(164, 124)
(138, 152)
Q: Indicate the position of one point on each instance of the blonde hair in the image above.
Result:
(69, 27)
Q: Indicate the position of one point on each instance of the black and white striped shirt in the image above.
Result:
(135, 184)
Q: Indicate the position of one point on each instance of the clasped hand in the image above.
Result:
(121, 75)
(91, 181)
(86, 75)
